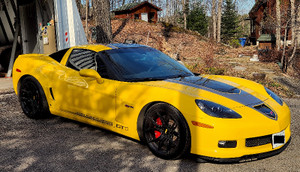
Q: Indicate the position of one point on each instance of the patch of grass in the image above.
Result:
(274, 84)
(277, 88)
(197, 68)
(214, 71)
(234, 43)
(194, 67)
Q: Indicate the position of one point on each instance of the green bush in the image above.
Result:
(214, 71)
(234, 43)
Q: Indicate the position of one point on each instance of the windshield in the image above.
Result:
(144, 63)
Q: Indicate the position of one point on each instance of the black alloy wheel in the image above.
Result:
(32, 99)
(166, 131)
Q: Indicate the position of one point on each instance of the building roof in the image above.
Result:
(131, 6)
(256, 6)
(267, 37)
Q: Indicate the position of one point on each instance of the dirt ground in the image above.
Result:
(59, 144)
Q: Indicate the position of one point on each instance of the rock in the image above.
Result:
(240, 68)
(254, 58)
(259, 76)
(266, 70)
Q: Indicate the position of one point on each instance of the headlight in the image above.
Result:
(216, 110)
(274, 96)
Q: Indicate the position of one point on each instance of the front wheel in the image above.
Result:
(166, 131)
(32, 99)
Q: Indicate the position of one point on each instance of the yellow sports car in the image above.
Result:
(143, 94)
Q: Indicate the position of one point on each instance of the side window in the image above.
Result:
(82, 59)
(59, 54)
(103, 66)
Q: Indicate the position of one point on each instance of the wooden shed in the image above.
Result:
(140, 10)
(266, 41)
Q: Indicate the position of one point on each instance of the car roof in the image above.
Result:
(100, 47)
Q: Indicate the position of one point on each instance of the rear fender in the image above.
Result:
(39, 67)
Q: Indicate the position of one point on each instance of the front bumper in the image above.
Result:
(209, 147)
(251, 133)
(246, 158)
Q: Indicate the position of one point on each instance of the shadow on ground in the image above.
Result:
(59, 144)
(292, 84)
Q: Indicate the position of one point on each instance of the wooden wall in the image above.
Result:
(141, 9)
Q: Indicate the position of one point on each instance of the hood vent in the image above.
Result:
(264, 109)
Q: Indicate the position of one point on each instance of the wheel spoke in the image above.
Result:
(155, 139)
(175, 133)
(171, 144)
(158, 114)
(154, 122)
(173, 127)
(165, 120)
(161, 142)
(150, 129)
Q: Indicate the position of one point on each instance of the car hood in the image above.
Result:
(243, 91)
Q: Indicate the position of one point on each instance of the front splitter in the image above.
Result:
(245, 158)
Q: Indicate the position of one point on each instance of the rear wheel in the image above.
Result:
(32, 99)
(166, 131)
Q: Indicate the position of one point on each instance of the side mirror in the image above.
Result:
(91, 73)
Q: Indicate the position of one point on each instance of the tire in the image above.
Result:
(32, 99)
(166, 132)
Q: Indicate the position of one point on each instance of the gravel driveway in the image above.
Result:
(59, 144)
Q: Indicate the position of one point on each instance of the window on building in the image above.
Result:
(151, 16)
(136, 16)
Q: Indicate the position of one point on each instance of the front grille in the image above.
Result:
(258, 141)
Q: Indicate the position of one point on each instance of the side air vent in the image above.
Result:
(266, 111)
(51, 92)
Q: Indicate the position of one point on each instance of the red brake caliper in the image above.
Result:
(157, 133)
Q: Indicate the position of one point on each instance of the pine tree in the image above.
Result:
(197, 20)
(230, 22)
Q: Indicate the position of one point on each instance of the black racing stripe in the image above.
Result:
(117, 45)
(219, 88)
(111, 46)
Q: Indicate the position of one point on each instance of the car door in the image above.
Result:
(83, 97)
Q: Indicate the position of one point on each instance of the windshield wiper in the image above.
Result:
(145, 79)
(181, 76)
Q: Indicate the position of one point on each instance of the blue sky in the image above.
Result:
(244, 6)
